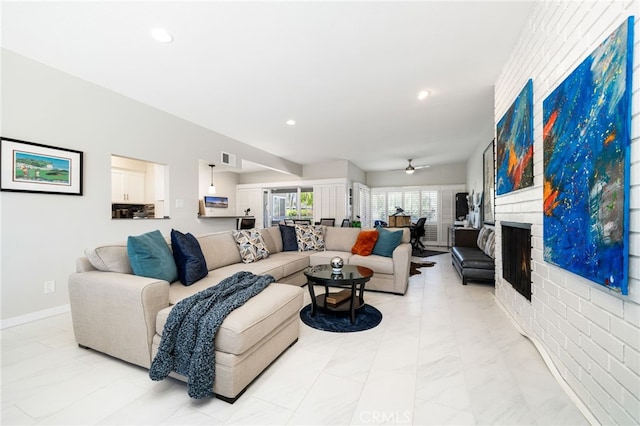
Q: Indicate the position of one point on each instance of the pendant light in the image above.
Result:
(212, 187)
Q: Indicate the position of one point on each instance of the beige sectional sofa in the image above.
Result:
(123, 315)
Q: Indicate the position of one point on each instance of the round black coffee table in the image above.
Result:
(351, 277)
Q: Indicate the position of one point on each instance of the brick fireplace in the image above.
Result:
(516, 256)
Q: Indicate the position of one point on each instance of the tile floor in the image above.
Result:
(443, 354)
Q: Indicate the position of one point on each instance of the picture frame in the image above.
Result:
(587, 165)
(514, 144)
(216, 202)
(38, 168)
(488, 184)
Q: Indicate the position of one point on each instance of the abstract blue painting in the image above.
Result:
(514, 144)
(586, 137)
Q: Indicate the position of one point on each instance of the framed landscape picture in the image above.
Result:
(216, 202)
(586, 141)
(32, 167)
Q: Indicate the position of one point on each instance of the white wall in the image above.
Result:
(475, 170)
(449, 174)
(592, 335)
(334, 169)
(225, 183)
(42, 234)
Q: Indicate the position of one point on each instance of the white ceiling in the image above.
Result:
(347, 72)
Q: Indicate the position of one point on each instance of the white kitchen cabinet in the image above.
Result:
(127, 186)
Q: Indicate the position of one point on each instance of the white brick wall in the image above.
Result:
(592, 335)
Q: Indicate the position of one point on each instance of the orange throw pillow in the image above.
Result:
(365, 243)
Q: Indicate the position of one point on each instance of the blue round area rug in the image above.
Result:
(366, 317)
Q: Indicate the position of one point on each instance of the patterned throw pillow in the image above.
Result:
(310, 237)
(482, 237)
(251, 245)
(489, 248)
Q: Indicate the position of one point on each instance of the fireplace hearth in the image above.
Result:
(516, 256)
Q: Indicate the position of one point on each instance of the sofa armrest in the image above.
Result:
(115, 313)
(401, 264)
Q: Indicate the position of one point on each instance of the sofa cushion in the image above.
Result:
(111, 258)
(219, 249)
(472, 258)
(251, 245)
(387, 242)
(188, 257)
(151, 257)
(324, 257)
(310, 237)
(340, 239)
(251, 322)
(365, 242)
(272, 240)
(378, 264)
(289, 239)
(406, 233)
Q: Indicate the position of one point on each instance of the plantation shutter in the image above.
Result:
(379, 205)
(364, 201)
(411, 204)
(447, 208)
(431, 212)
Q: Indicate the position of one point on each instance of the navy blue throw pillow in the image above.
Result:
(189, 258)
(289, 240)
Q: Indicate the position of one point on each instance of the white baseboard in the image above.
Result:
(34, 316)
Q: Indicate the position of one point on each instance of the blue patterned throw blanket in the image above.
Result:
(188, 336)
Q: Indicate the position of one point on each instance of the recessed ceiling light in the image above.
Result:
(423, 95)
(161, 35)
(291, 122)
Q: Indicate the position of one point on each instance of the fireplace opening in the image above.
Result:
(516, 256)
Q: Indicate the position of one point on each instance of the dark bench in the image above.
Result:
(467, 258)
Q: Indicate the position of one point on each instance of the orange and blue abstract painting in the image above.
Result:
(586, 140)
(514, 144)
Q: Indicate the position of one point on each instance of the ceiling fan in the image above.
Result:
(411, 168)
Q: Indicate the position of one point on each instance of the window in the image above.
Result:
(429, 207)
(411, 204)
(291, 203)
(306, 204)
(362, 207)
(378, 205)
(394, 200)
(435, 203)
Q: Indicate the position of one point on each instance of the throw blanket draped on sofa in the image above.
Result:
(187, 344)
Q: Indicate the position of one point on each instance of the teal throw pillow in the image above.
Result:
(150, 256)
(387, 242)
(189, 259)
